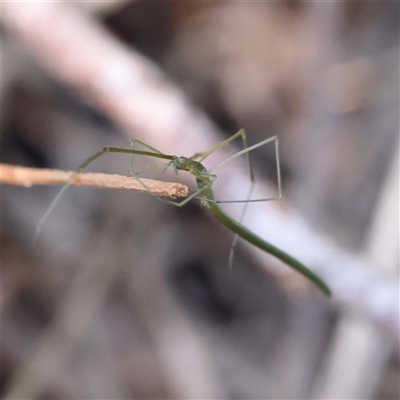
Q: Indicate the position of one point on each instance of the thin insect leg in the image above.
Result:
(220, 145)
(245, 152)
(139, 142)
(151, 166)
(236, 238)
(135, 176)
(252, 182)
(207, 197)
(278, 171)
(248, 200)
(85, 164)
(195, 194)
(242, 133)
(171, 158)
(63, 189)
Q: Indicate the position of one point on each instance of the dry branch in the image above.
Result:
(23, 176)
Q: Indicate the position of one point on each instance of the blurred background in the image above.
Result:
(124, 297)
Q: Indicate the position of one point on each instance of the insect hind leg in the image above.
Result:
(246, 150)
(201, 156)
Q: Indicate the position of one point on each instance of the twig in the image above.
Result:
(23, 176)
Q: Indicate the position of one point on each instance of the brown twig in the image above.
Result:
(23, 176)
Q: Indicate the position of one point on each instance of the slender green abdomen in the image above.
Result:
(249, 236)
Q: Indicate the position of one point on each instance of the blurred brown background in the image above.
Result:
(124, 297)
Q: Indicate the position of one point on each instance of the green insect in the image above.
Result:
(205, 178)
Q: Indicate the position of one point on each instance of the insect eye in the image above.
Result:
(181, 160)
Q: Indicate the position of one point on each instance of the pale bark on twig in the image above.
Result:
(23, 176)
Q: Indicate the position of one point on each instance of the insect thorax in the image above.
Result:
(187, 164)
